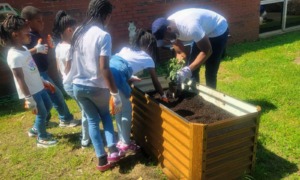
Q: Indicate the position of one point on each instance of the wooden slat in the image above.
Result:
(214, 152)
(198, 152)
(230, 164)
(228, 141)
(173, 170)
(232, 144)
(227, 123)
(230, 173)
(232, 133)
(229, 155)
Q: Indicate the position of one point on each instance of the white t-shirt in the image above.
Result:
(62, 55)
(194, 23)
(23, 59)
(85, 69)
(138, 60)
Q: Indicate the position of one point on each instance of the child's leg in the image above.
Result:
(58, 101)
(124, 120)
(40, 118)
(84, 123)
(85, 130)
(83, 94)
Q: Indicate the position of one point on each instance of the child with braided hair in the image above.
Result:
(63, 29)
(123, 65)
(14, 32)
(92, 80)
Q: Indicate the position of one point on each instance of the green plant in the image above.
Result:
(173, 66)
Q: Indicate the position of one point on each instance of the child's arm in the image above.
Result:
(39, 48)
(18, 74)
(108, 78)
(29, 101)
(157, 84)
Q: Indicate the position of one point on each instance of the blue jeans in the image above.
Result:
(123, 120)
(58, 101)
(95, 103)
(44, 106)
(84, 123)
(212, 64)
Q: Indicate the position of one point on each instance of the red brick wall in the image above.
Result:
(242, 14)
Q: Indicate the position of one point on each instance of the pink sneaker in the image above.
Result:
(132, 147)
(104, 167)
(115, 156)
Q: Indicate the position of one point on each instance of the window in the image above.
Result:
(278, 15)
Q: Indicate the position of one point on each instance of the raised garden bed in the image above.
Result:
(189, 150)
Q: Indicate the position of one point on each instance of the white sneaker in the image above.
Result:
(71, 123)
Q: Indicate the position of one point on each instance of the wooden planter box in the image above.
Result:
(221, 150)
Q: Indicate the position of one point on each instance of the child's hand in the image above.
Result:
(41, 48)
(30, 104)
(115, 103)
(164, 98)
(49, 86)
(135, 79)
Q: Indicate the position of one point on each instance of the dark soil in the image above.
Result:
(194, 108)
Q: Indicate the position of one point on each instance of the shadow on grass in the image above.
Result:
(11, 107)
(265, 105)
(271, 166)
(130, 161)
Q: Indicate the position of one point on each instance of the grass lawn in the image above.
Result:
(262, 73)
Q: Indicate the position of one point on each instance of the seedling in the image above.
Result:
(173, 66)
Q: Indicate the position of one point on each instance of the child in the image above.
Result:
(125, 63)
(15, 31)
(63, 29)
(35, 20)
(92, 80)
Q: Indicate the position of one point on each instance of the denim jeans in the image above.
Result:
(123, 120)
(58, 101)
(95, 103)
(44, 106)
(84, 123)
(212, 64)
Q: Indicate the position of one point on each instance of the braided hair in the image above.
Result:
(97, 12)
(144, 40)
(12, 23)
(61, 23)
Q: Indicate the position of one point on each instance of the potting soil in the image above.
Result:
(194, 108)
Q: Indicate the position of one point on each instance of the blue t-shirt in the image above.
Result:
(41, 60)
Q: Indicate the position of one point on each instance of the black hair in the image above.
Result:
(97, 12)
(30, 12)
(145, 40)
(11, 23)
(61, 23)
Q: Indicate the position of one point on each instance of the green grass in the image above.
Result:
(262, 73)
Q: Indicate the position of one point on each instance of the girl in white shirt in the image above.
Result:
(15, 32)
(92, 79)
(123, 65)
(64, 26)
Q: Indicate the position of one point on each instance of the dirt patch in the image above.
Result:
(297, 60)
(194, 108)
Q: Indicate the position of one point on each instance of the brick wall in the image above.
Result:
(242, 14)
